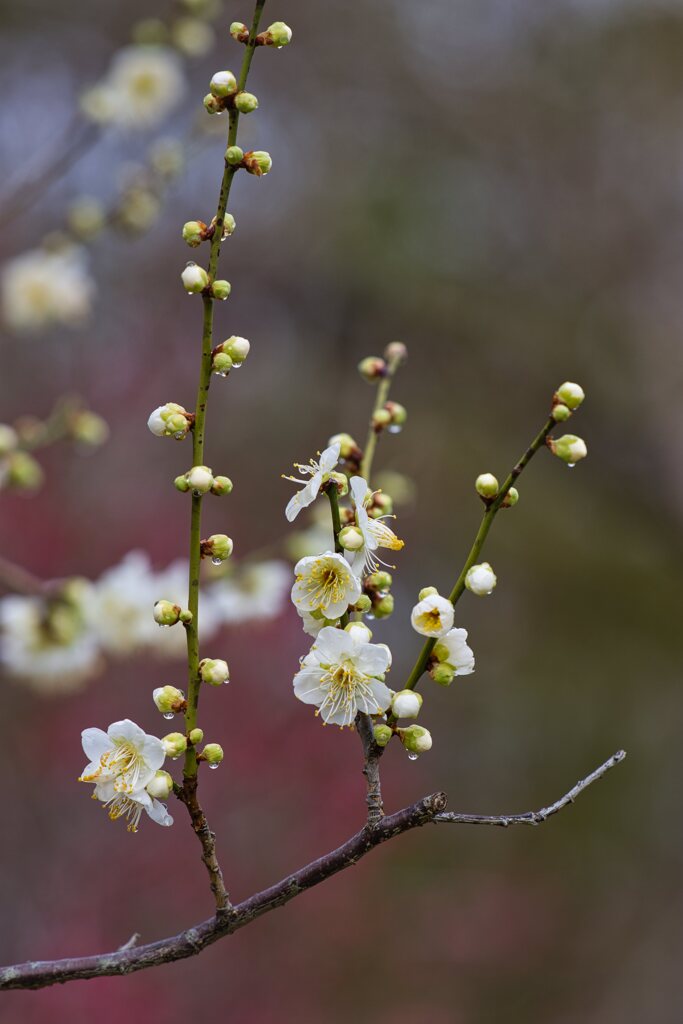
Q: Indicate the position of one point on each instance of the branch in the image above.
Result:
(188, 795)
(372, 754)
(534, 817)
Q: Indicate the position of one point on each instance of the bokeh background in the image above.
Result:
(497, 183)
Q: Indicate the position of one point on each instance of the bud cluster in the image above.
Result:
(171, 420)
(218, 547)
(376, 599)
(570, 448)
(391, 417)
(200, 480)
(229, 355)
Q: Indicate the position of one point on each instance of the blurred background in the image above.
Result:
(498, 184)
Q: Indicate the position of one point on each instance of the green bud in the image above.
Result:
(212, 754)
(486, 485)
(442, 673)
(234, 155)
(180, 483)
(194, 232)
(214, 671)
(382, 505)
(218, 546)
(175, 744)
(221, 289)
(258, 162)
(382, 734)
(351, 539)
(398, 413)
(379, 580)
(168, 699)
(570, 448)
(571, 395)
(166, 613)
(221, 485)
(186, 616)
(278, 34)
(561, 413)
(363, 604)
(223, 84)
(372, 369)
(229, 225)
(511, 498)
(237, 348)
(427, 592)
(383, 608)
(196, 736)
(239, 32)
(212, 104)
(347, 446)
(342, 482)
(89, 428)
(416, 739)
(195, 279)
(246, 102)
(221, 364)
(161, 786)
(23, 472)
(381, 419)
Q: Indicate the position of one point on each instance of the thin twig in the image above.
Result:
(533, 817)
(371, 754)
(188, 794)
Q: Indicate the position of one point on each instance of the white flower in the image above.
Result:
(376, 534)
(324, 583)
(433, 616)
(51, 647)
(318, 472)
(257, 593)
(169, 420)
(340, 676)
(454, 650)
(142, 86)
(480, 579)
(123, 761)
(43, 288)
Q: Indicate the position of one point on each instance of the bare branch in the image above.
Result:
(533, 817)
(187, 793)
(372, 754)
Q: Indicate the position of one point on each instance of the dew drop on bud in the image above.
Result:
(179, 436)
(570, 465)
(168, 715)
(213, 767)
(197, 494)
(395, 428)
(412, 756)
(216, 561)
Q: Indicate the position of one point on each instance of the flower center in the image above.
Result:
(326, 584)
(430, 620)
(121, 806)
(124, 762)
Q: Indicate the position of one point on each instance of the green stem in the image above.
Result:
(475, 550)
(373, 435)
(192, 630)
(333, 496)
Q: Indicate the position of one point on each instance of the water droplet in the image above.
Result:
(179, 435)
(191, 264)
(237, 366)
(370, 616)
(176, 757)
(223, 373)
(216, 561)
(382, 593)
(395, 428)
(412, 756)
(570, 465)
(213, 767)
(168, 714)
(197, 494)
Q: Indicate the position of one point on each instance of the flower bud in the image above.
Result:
(363, 604)
(212, 754)
(372, 369)
(406, 704)
(278, 34)
(196, 736)
(234, 155)
(166, 613)
(221, 289)
(342, 482)
(382, 734)
(486, 485)
(561, 413)
(186, 616)
(351, 539)
(214, 671)
(381, 419)
(87, 217)
(161, 786)
(571, 395)
(221, 364)
(480, 579)
(23, 471)
(229, 225)
(192, 37)
(348, 449)
(195, 279)
(379, 580)
(88, 428)
(427, 592)
(168, 699)
(511, 498)
(399, 415)
(383, 608)
(239, 32)
(218, 547)
(221, 485)
(174, 744)
(9, 439)
(382, 505)
(181, 484)
(223, 84)
(258, 162)
(359, 631)
(212, 104)
(442, 673)
(194, 232)
(170, 420)
(246, 102)
(237, 348)
(200, 479)
(415, 739)
(570, 448)
(396, 353)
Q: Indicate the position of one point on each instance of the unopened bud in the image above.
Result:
(89, 428)
(166, 613)
(416, 739)
(234, 155)
(383, 608)
(221, 364)
(161, 786)
(218, 547)
(427, 592)
(372, 369)
(23, 471)
(363, 604)
(480, 579)
(342, 483)
(511, 498)
(486, 485)
(382, 505)
(239, 32)
(200, 479)
(214, 671)
(398, 413)
(347, 446)
(561, 413)
(237, 348)
(406, 704)
(570, 448)
(170, 420)
(212, 754)
(351, 539)
(186, 616)
(212, 104)
(194, 232)
(359, 631)
(229, 225)
(442, 673)
(195, 279)
(246, 102)
(196, 736)
(168, 699)
(395, 353)
(572, 395)
(221, 485)
(278, 34)
(174, 744)
(258, 162)
(379, 580)
(381, 419)
(221, 290)
(382, 734)
(223, 84)
(180, 483)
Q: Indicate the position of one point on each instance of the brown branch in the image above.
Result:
(533, 817)
(39, 974)
(372, 754)
(187, 793)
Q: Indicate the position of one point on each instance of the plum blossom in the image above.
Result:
(324, 583)
(318, 473)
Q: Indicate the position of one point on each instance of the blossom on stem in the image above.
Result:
(325, 583)
(432, 615)
(318, 472)
(481, 579)
(454, 651)
(375, 532)
(342, 676)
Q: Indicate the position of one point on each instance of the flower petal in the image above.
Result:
(95, 743)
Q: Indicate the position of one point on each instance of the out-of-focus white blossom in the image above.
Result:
(143, 84)
(40, 289)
